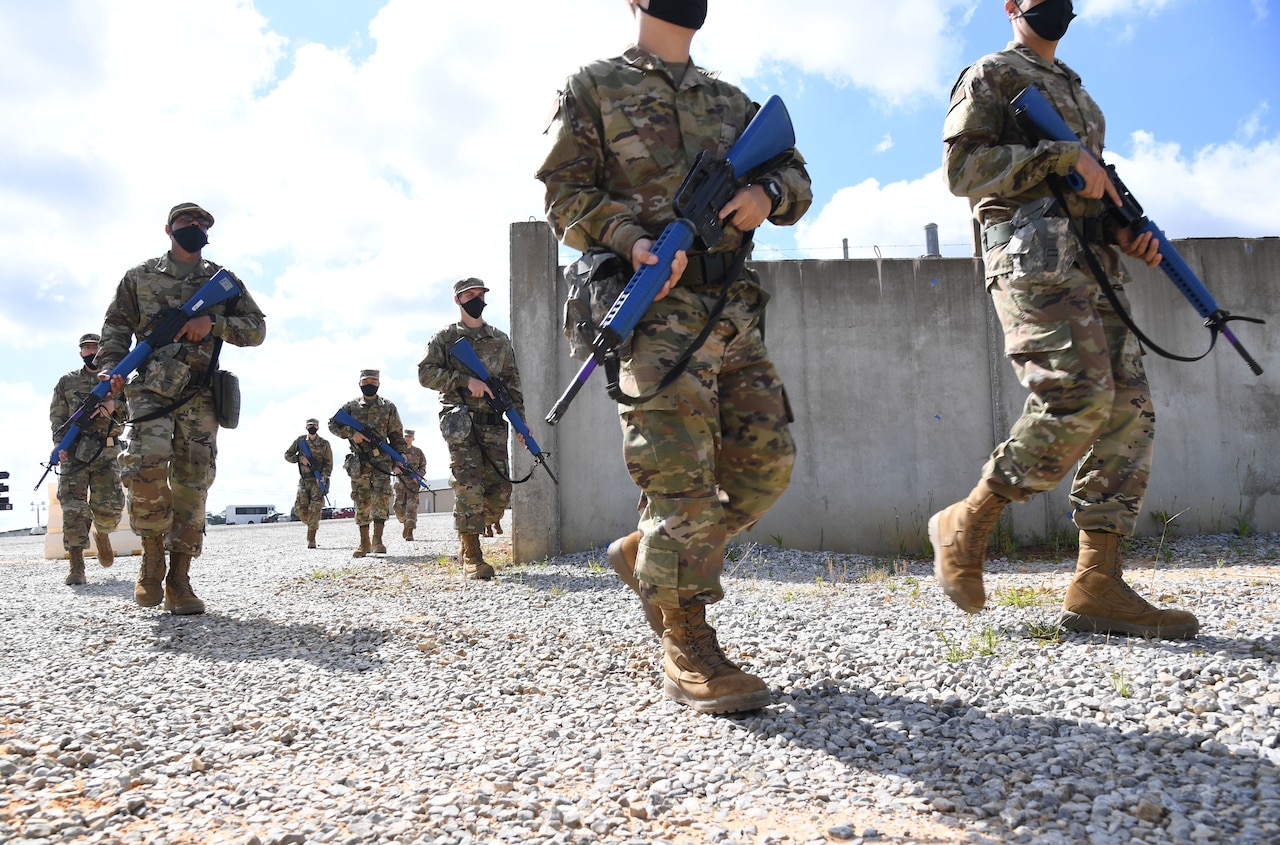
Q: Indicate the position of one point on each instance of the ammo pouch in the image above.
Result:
(1041, 245)
(166, 376)
(595, 280)
(351, 463)
(455, 424)
(226, 397)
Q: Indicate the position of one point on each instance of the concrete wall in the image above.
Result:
(896, 373)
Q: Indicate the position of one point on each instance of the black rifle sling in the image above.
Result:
(1109, 291)
(475, 435)
(612, 369)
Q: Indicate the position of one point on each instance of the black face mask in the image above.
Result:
(370, 390)
(690, 14)
(1050, 19)
(312, 430)
(474, 307)
(190, 238)
(88, 361)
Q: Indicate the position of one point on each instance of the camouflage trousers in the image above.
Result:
(371, 491)
(1089, 403)
(710, 455)
(168, 469)
(406, 505)
(309, 502)
(90, 495)
(481, 493)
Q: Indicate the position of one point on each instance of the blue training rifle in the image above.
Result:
(500, 401)
(311, 462)
(343, 418)
(709, 185)
(1038, 116)
(220, 287)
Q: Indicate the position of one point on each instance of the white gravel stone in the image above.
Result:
(327, 699)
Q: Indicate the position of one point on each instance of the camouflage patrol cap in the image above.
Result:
(373, 374)
(467, 284)
(89, 338)
(408, 432)
(313, 421)
(189, 208)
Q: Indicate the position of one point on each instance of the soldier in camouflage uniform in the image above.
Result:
(89, 481)
(407, 488)
(369, 467)
(476, 434)
(712, 453)
(1090, 401)
(170, 462)
(310, 499)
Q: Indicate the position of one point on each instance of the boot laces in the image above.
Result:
(705, 647)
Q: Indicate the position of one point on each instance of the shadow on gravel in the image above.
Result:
(1023, 770)
(226, 639)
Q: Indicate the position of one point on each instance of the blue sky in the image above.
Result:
(361, 155)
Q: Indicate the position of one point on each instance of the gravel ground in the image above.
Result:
(326, 699)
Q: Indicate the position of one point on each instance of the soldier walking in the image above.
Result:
(476, 434)
(369, 467)
(1090, 403)
(89, 483)
(408, 490)
(169, 464)
(713, 452)
(309, 502)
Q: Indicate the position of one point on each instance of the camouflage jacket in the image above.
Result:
(438, 371)
(321, 456)
(623, 138)
(69, 393)
(161, 283)
(988, 159)
(417, 462)
(380, 420)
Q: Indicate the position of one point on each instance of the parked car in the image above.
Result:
(344, 513)
(326, 513)
(276, 517)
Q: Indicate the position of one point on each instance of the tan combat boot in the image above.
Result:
(364, 543)
(473, 564)
(378, 547)
(696, 671)
(179, 598)
(1099, 600)
(622, 557)
(406, 533)
(148, 591)
(106, 554)
(959, 535)
(76, 574)
(311, 537)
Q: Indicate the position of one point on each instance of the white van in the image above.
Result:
(248, 514)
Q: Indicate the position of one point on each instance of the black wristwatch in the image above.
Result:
(773, 192)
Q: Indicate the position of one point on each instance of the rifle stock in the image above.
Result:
(220, 287)
(1040, 119)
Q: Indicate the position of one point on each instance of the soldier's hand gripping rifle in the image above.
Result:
(500, 400)
(707, 188)
(315, 470)
(1038, 118)
(343, 418)
(220, 287)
